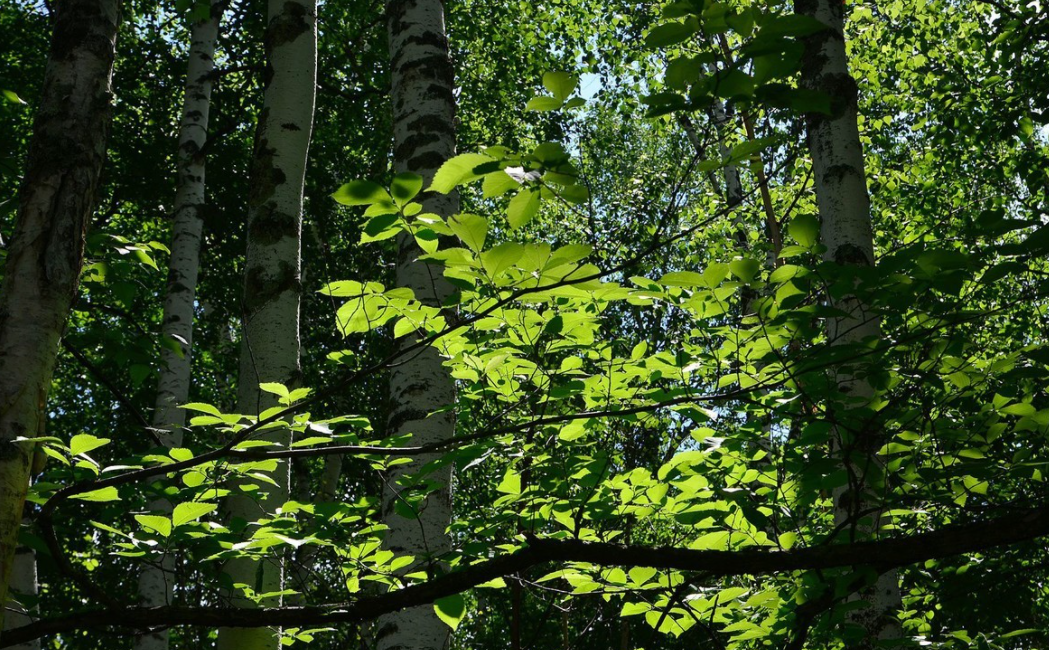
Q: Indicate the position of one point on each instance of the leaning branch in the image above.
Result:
(882, 555)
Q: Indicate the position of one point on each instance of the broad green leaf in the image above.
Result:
(203, 408)
(498, 183)
(560, 84)
(191, 511)
(805, 229)
(361, 193)
(83, 443)
(683, 72)
(405, 187)
(734, 83)
(682, 279)
(511, 483)
(669, 34)
(275, 388)
(543, 104)
(470, 229)
(450, 609)
(642, 574)
(523, 208)
(103, 494)
(500, 258)
(180, 453)
(745, 269)
(156, 523)
(462, 169)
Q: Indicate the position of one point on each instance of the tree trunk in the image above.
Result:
(25, 588)
(846, 231)
(155, 585)
(272, 274)
(46, 253)
(422, 81)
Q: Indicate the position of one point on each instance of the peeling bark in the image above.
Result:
(155, 583)
(42, 271)
(424, 137)
(272, 275)
(846, 231)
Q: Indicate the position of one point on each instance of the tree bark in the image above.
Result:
(422, 83)
(24, 585)
(273, 275)
(155, 585)
(846, 231)
(46, 252)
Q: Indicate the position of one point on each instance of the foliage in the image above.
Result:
(646, 393)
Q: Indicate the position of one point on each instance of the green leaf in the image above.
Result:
(156, 523)
(383, 226)
(642, 574)
(511, 483)
(734, 83)
(669, 34)
(523, 208)
(104, 494)
(83, 443)
(560, 84)
(450, 609)
(805, 229)
(471, 229)
(180, 453)
(461, 169)
(361, 193)
(745, 269)
(12, 97)
(497, 184)
(405, 187)
(191, 511)
(201, 407)
(682, 72)
(543, 104)
(502, 257)
(275, 388)
(682, 279)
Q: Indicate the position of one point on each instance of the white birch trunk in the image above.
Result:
(846, 231)
(24, 585)
(272, 273)
(46, 252)
(733, 186)
(155, 586)
(424, 137)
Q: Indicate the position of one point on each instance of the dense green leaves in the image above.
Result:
(637, 360)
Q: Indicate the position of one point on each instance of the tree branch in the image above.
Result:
(881, 555)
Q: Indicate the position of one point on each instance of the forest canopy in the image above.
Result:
(424, 325)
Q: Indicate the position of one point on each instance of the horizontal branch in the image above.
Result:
(881, 555)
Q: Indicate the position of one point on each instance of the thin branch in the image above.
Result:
(114, 390)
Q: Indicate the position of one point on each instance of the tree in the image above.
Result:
(422, 393)
(846, 232)
(270, 352)
(43, 263)
(155, 585)
(673, 425)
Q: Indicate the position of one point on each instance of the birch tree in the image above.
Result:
(846, 231)
(24, 584)
(155, 585)
(422, 80)
(272, 273)
(43, 264)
